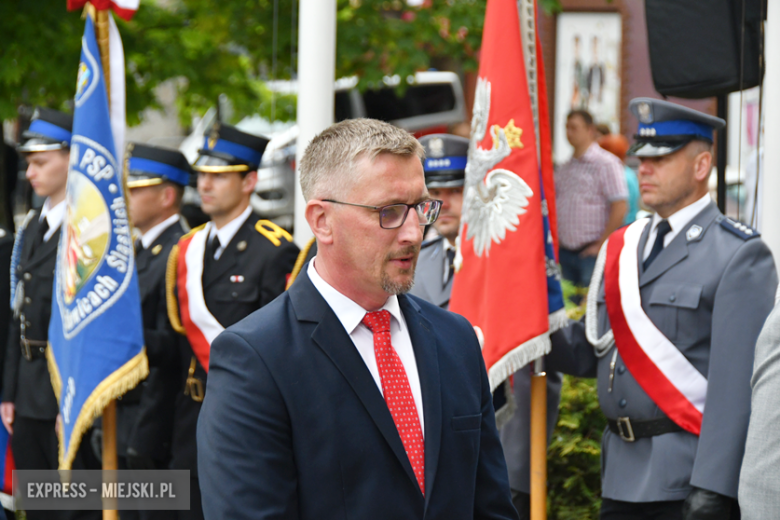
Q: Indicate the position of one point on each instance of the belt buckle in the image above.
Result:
(26, 352)
(625, 430)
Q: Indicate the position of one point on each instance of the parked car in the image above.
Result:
(432, 102)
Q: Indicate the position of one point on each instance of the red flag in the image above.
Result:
(124, 9)
(507, 282)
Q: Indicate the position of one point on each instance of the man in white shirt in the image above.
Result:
(674, 309)
(346, 398)
(224, 271)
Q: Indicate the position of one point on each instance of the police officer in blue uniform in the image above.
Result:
(444, 167)
(706, 283)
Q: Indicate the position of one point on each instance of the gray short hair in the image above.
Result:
(328, 165)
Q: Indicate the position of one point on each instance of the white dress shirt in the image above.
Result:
(150, 236)
(228, 231)
(350, 314)
(54, 216)
(677, 221)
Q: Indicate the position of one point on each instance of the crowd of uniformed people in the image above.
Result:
(706, 283)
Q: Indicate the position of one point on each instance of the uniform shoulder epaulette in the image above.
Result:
(743, 231)
(429, 243)
(192, 232)
(272, 232)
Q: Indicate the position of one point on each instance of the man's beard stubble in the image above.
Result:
(391, 287)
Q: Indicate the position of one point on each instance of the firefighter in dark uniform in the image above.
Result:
(29, 409)
(246, 262)
(156, 178)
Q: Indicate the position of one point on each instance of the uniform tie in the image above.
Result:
(662, 229)
(450, 264)
(43, 228)
(214, 247)
(398, 393)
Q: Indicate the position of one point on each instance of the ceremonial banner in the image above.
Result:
(507, 281)
(96, 351)
(123, 8)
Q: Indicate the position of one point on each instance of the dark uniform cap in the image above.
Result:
(228, 149)
(665, 127)
(49, 130)
(150, 165)
(445, 160)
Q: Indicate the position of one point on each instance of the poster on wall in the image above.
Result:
(587, 72)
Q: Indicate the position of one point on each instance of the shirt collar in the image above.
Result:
(588, 153)
(54, 216)
(680, 219)
(349, 313)
(148, 238)
(230, 229)
(447, 245)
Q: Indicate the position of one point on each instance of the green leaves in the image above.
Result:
(213, 47)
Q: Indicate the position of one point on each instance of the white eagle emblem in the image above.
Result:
(493, 201)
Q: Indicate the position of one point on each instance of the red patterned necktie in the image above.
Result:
(398, 393)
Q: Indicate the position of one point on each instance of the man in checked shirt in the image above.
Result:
(591, 194)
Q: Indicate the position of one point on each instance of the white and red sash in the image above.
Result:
(200, 325)
(659, 367)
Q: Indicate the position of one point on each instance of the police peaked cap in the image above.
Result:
(228, 149)
(150, 165)
(445, 160)
(49, 130)
(666, 127)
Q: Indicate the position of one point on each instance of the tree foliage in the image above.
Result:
(229, 47)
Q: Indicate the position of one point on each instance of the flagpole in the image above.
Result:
(109, 412)
(539, 442)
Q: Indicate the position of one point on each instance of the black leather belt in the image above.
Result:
(630, 430)
(32, 348)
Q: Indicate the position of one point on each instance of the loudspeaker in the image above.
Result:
(695, 45)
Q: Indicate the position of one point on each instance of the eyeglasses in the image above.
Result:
(393, 216)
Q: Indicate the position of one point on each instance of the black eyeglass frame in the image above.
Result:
(437, 207)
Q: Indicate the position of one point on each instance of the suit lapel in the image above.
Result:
(45, 250)
(677, 249)
(427, 356)
(330, 336)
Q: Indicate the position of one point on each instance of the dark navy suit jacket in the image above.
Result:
(294, 427)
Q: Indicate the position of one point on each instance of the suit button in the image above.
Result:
(622, 403)
(621, 370)
(234, 294)
(672, 298)
(27, 300)
(27, 276)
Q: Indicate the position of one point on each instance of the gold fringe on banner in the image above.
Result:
(123, 379)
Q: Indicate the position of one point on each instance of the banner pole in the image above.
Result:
(109, 412)
(539, 442)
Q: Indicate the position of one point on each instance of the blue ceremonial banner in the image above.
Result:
(96, 348)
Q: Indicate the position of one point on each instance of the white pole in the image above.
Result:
(770, 213)
(316, 77)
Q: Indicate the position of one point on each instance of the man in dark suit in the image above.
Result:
(225, 270)
(345, 398)
(156, 178)
(29, 409)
